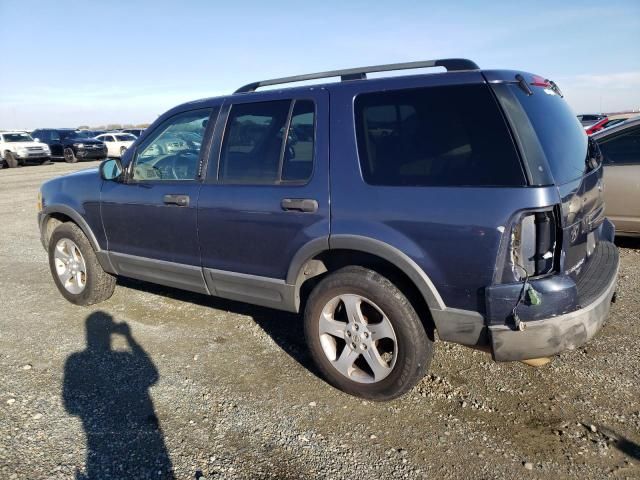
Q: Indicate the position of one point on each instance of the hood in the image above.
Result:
(27, 144)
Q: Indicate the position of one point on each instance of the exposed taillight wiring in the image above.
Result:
(514, 313)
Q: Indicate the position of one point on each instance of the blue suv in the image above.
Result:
(467, 202)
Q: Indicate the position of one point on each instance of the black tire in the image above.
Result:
(70, 156)
(12, 162)
(99, 284)
(414, 346)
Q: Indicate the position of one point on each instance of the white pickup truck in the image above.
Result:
(16, 148)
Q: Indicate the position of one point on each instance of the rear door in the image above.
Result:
(266, 194)
(621, 151)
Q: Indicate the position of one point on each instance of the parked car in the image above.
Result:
(95, 133)
(71, 145)
(134, 131)
(590, 119)
(385, 209)
(620, 147)
(17, 148)
(602, 124)
(117, 143)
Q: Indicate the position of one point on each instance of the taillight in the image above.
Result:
(533, 244)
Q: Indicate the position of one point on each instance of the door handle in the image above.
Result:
(299, 204)
(179, 200)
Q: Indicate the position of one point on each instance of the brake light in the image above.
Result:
(533, 244)
(538, 81)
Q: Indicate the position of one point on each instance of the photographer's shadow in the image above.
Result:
(109, 391)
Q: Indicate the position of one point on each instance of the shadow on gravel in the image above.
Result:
(628, 447)
(628, 242)
(109, 390)
(284, 328)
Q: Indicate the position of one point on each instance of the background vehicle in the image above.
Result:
(71, 145)
(94, 133)
(602, 124)
(17, 148)
(134, 131)
(407, 210)
(590, 119)
(620, 147)
(117, 143)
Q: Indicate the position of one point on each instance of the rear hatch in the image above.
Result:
(557, 152)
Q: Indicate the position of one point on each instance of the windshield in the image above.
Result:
(79, 134)
(17, 137)
(559, 132)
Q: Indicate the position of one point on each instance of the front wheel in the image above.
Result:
(365, 336)
(70, 156)
(75, 267)
(12, 162)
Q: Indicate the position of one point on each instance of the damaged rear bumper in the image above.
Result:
(549, 336)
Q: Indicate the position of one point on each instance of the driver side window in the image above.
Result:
(172, 152)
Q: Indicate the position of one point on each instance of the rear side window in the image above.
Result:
(622, 149)
(436, 136)
(256, 149)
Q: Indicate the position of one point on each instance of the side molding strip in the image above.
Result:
(265, 291)
(176, 275)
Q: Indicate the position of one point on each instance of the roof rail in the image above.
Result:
(360, 73)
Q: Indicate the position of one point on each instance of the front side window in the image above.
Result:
(435, 136)
(173, 151)
(622, 149)
(256, 150)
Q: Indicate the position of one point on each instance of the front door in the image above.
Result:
(266, 193)
(150, 217)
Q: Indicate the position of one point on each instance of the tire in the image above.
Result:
(377, 299)
(98, 284)
(45, 161)
(70, 156)
(11, 160)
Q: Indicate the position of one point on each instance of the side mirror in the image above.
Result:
(36, 139)
(111, 169)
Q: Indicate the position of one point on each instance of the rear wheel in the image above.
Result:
(70, 156)
(75, 267)
(12, 162)
(365, 336)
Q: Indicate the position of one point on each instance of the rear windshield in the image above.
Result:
(435, 136)
(559, 132)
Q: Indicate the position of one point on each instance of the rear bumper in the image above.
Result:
(555, 334)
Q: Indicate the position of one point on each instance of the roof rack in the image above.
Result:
(360, 73)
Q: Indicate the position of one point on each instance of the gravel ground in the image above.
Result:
(206, 388)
